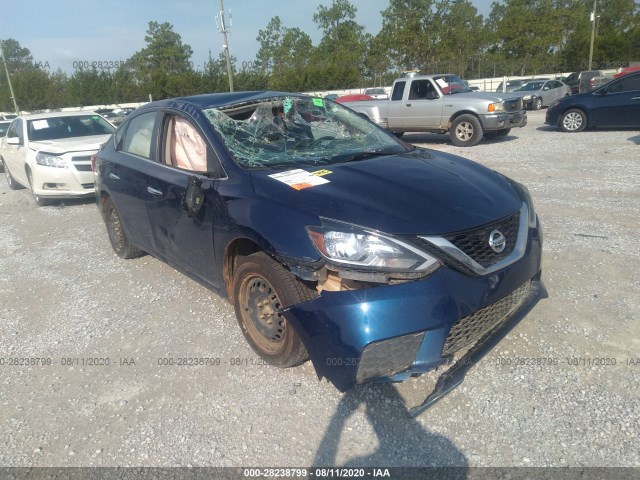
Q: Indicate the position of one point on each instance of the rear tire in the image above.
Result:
(262, 287)
(466, 131)
(118, 238)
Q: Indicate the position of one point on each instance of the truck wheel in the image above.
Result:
(497, 133)
(573, 120)
(466, 131)
(537, 104)
(262, 287)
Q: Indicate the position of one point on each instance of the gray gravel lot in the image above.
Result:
(65, 295)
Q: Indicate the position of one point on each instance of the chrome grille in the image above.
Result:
(475, 243)
(470, 329)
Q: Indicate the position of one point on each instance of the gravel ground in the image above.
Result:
(65, 296)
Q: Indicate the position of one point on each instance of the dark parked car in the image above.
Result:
(615, 104)
(334, 240)
(580, 82)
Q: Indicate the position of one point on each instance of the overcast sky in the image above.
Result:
(63, 33)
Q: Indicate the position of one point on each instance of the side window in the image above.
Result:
(184, 146)
(137, 138)
(420, 89)
(398, 91)
(625, 84)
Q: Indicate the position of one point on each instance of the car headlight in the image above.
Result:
(526, 97)
(525, 196)
(51, 160)
(495, 107)
(364, 249)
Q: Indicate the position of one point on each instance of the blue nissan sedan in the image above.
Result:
(614, 105)
(334, 240)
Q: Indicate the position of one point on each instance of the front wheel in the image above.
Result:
(117, 236)
(466, 131)
(573, 120)
(537, 104)
(40, 201)
(262, 287)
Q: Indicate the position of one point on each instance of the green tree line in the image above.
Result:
(519, 37)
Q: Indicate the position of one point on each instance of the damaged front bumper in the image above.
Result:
(392, 332)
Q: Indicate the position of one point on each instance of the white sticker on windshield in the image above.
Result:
(299, 179)
(39, 124)
(441, 83)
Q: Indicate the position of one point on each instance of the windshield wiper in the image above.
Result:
(352, 157)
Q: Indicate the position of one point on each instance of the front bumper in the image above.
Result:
(391, 332)
(500, 121)
(55, 182)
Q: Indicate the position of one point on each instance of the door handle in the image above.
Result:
(113, 176)
(408, 104)
(635, 98)
(153, 191)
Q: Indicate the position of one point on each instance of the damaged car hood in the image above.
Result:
(418, 192)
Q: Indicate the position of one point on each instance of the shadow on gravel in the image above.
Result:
(402, 440)
(443, 138)
(70, 202)
(635, 139)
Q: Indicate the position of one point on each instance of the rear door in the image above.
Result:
(124, 174)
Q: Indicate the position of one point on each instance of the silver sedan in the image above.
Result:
(540, 93)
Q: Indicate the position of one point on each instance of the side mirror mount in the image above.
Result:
(14, 141)
(194, 197)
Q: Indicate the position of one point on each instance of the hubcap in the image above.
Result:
(572, 121)
(262, 309)
(464, 131)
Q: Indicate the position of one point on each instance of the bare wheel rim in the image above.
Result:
(464, 131)
(572, 121)
(261, 311)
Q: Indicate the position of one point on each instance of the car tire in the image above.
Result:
(398, 134)
(573, 120)
(262, 287)
(466, 131)
(117, 236)
(497, 133)
(40, 201)
(537, 104)
(13, 185)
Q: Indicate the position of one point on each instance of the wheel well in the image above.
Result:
(240, 247)
(463, 112)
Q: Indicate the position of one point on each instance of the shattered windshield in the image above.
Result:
(450, 84)
(287, 131)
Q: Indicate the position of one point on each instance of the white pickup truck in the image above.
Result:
(441, 104)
